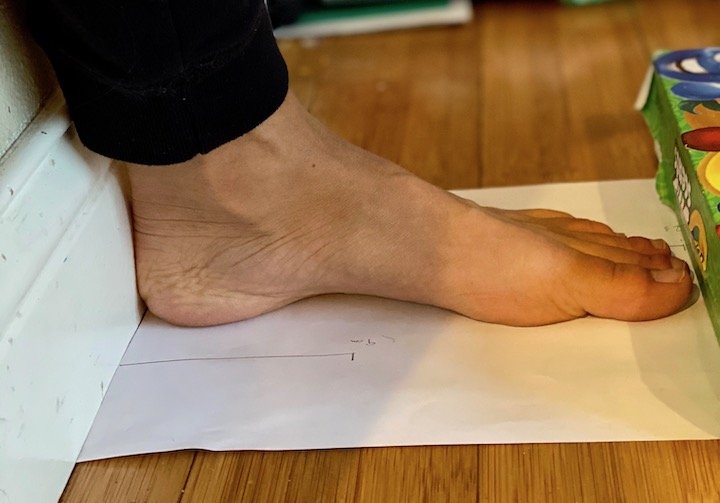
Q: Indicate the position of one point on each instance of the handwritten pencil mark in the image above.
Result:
(230, 358)
(367, 342)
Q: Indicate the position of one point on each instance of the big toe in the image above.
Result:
(631, 292)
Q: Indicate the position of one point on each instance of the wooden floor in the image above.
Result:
(529, 92)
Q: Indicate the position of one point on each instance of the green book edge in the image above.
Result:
(332, 13)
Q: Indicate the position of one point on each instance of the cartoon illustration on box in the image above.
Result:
(697, 232)
(698, 73)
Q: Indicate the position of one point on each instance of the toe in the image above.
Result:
(618, 249)
(636, 244)
(631, 292)
(562, 224)
(538, 213)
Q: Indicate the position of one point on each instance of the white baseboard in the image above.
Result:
(68, 304)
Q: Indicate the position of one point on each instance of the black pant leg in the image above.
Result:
(159, 81)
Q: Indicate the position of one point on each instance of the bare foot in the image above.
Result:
(290, 210)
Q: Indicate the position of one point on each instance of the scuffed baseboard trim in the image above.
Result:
(68, 303)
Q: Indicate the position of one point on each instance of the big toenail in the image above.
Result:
(668, 275)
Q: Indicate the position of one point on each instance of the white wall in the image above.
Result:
(26, 78)
(68, 303)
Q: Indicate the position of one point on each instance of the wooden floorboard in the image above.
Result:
(152, 478)
(274, 476)
(530, 92)
(677, 24)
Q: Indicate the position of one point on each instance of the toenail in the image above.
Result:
(660, 244)
(668, 275)
(677, 264)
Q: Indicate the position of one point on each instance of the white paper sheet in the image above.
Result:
(347, 371)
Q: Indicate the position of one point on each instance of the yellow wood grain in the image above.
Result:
(602, 472)
(152, 478)
(678, 24)
(274, 476)
(529, 92)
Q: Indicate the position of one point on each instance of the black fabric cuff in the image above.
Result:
(192, 113)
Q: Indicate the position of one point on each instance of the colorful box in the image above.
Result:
(682, 110)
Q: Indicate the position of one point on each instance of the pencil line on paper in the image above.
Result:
(228, 358)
